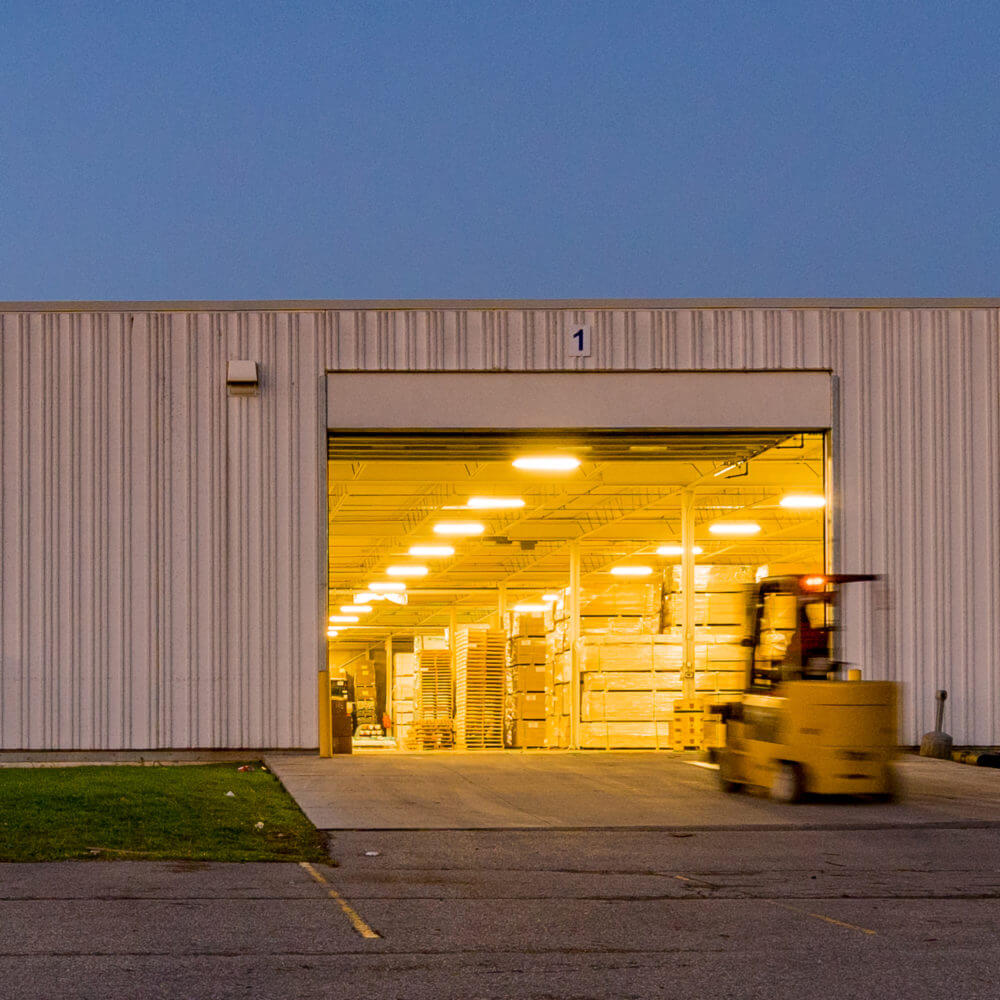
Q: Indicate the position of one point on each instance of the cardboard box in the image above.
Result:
(529, 734)
(531, 706)
(527, 651)
(530, 677)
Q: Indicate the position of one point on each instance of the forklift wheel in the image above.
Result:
(726, 782)
(786, 784)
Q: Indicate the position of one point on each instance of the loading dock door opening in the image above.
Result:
(477, 604)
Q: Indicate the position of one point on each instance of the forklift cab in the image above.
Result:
(792, 630)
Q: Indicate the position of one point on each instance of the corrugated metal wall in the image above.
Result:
(161, 563)
(163, 548)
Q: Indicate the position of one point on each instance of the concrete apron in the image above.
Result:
(592, 789)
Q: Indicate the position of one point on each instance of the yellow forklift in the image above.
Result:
(801, 727)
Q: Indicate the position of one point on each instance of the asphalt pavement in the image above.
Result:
(782, 907)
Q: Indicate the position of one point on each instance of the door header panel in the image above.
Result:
(414, 401)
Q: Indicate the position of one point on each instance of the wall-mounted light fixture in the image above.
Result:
(242, 378)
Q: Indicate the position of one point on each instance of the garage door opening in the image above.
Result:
(554, 590)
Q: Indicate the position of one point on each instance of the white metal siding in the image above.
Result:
(163, 557)
(161, 565)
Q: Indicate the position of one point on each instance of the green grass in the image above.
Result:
(151, 813)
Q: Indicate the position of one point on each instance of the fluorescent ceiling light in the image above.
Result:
(365, 597)
(344, 619)
(547, 463)
(631, 570)
(677, 550)
(531, 608)
(385, 588)
(494, 503)
(431, 550)
(355, 609)
(396, 598)
(803, 501)
(733, 529)
(459, 528)
(551, 598)
(331, 632)
(406, 571)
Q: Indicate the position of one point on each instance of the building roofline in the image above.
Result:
(402, 305)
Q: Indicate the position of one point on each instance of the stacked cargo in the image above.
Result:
(620, 620)
(616, 609)
(721, 620)
(432, 727)
(480, 667)
(629, 685)
(558, 674)
(525, 709)
(403, 666)
(366, 700)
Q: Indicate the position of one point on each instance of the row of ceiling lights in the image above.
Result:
(350, 614)
(392, 590)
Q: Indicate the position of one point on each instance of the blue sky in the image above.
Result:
(498, 150)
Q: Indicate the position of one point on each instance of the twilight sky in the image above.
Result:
(251, 150)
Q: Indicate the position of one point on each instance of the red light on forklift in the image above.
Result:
(814, 582)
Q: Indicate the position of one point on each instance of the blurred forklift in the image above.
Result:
(802, 727)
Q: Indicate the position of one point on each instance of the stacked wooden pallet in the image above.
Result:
(432, 727)
(480, 668)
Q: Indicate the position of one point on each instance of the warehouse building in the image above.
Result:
(521, 524)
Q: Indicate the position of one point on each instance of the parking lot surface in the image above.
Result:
(871, 901)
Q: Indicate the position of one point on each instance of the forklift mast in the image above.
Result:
(793, 626)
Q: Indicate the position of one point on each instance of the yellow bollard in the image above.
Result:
(854, 674)
(325, 719)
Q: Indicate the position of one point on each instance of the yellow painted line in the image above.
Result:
(820, 916)
(355, 918)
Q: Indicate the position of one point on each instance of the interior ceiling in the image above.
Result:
(387, 491)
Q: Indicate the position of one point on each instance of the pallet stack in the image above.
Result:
(480, 669)
(558, 675)
(525, 711)
(432, 727)
(365, 700)
(629, 685)
(403, 666)
(721, 622)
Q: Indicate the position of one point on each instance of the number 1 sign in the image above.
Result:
(579, 342)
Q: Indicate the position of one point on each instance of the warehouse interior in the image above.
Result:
(492, 590)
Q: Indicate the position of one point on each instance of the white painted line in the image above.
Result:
(355, 918)
(702, 763)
